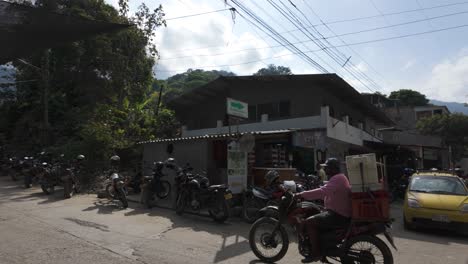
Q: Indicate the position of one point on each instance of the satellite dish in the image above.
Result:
(247, 143)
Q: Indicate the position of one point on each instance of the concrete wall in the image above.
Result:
(412, 139)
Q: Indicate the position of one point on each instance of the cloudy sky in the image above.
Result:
(435, 64)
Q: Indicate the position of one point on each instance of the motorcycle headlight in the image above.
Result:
(412, 203)
(464, 209)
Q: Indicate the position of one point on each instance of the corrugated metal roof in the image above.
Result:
(217, 136)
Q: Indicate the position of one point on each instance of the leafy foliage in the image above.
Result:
(452, 128)
(408, 97)
(101, 99)
(180, 83)
(274, 70)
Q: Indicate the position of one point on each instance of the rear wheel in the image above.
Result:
(180, 203)
(220, 211)
(164, 189)
(123, 198)
(407, 225)
(267, 245)
(250, 209)
(110, 191)
(13, 175)
(367, 250)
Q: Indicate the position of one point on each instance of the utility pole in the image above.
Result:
(159, 99)
(45, 76)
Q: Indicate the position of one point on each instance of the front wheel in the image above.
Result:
(164, 189)
(110, 191)
(220, 211)
(367, 249)
(268, 242)
(47, 188)
(123, 198)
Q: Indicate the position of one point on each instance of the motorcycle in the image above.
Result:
(269, 239)
(118, 190)
(309, 182)
(195, 193)
(154, 187)
(51, 176)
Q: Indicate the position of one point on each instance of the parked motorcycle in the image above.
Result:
(154, 187)
(309, 182)
(269, 239)
(118, 190)
(195, 193)
(254, 199)
(51, 176)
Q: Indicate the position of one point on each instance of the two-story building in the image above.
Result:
(412, 148)
(295, 121)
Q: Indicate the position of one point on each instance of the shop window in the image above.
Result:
(274, 110)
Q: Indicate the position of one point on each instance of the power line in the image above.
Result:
(349, 44)
(328, 37)
(351, 20)
(199, 14)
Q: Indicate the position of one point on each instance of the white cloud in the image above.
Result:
(449, 80)
(361, 66)
(408, 65)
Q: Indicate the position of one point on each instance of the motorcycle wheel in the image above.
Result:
(220, 212)
(123, 199)
(13, 176)
(180, 203)
(267, 248)
(68, 189)
(27, 181)
(47, 189)
(366, 247)
(110, 191)
(164, 190)
(250, 209)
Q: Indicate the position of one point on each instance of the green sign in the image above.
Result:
(237, 108)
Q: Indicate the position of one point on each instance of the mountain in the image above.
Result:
(452, 106)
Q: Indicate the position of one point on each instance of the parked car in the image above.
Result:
(436, 200)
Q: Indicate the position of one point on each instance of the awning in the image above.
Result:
(24, 29)
(217, 136)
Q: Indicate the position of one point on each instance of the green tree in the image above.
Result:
(408, 97)
(180, 83)
(101, 98)
(274, 70)
(452, 128)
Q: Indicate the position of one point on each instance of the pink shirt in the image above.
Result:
(336, 194)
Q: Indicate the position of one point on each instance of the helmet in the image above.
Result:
(204, 182)
(82, 157)
(170, 163)
(115, 160)
(159, 165)
(271, 176)
(332, 163)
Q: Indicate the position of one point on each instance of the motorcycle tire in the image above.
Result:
(251, 207)
(48, 189)
(147, 197)
(221, 211)
(282, 233)
(369, 240)
(123, 199)
(14, 176)
(164, 190)
(180, 203)
(27, 181)
(110, 191)
(68, 189)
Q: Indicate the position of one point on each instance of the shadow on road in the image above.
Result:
(84, 223)
(104, 207)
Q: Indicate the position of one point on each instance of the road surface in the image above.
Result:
(36, 228)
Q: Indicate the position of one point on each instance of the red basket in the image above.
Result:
(372, 206)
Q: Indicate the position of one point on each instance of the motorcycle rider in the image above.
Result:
(337, 197)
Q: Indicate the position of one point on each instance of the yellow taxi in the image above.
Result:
(436, 200)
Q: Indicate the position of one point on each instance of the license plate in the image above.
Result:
(228, 196)
(441, 218)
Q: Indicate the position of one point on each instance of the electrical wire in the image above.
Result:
(198, 14)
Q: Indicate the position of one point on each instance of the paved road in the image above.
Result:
(36, 228)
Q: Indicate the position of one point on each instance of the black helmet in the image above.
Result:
(332, 163)
(81, 157)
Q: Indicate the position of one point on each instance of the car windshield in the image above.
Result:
(438, 185)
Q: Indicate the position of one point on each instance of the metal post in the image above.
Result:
(45, 95)
(159, 100)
